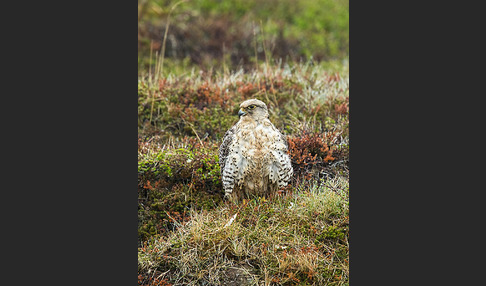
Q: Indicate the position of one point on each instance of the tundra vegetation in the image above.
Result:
(198, 60)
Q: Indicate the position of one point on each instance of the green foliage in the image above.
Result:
(212, 33)
(173, 180)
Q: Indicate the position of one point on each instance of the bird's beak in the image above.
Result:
(241, 112)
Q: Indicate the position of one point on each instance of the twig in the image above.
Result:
(193, 130)
(160, 66)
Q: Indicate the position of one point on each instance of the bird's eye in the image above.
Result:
(251, 106)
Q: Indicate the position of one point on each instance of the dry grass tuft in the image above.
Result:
(286, 240)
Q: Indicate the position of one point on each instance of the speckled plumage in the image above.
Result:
(253, 156)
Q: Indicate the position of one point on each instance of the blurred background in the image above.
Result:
(239, 33)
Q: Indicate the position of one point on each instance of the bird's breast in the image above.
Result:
(258, 141)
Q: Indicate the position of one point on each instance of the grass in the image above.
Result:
(240, 32)
(198, 60)
(299, 96)
(296, 239)
(188, 235)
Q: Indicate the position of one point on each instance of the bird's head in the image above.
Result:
(253, 108)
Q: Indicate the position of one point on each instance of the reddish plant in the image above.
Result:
(308, 152)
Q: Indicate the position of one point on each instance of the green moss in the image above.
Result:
(174, 181)
(331, 233)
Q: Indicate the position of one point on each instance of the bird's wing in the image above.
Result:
(224, 148)
(228, 161)
(284, 168)
(284, 139)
